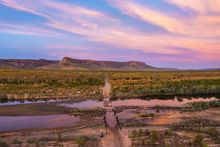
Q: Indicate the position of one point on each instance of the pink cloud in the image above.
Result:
(199, 6)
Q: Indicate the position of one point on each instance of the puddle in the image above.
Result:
(110, 118)
(9, 123)
(84, 104)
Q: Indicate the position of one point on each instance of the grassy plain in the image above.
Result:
(35, 84)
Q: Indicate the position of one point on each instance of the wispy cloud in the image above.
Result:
(19, 5)
(177, 24)
(27, 30)
(60, 14)
(149, 15)
(199, 6)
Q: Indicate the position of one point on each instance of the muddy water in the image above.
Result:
(18, 102)
(135, 102)
(9, 123)
(110, 118)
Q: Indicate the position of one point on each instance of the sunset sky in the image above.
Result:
(162, 33)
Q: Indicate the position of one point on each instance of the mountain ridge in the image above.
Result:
(24, 63)
(68, 63)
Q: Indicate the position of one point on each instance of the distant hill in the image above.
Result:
(24, 63)
(76, 64)
(210, 69)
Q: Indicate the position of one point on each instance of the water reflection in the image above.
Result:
(9, 123)
(16, 102)
(135, 102)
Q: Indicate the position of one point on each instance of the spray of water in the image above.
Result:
(106, 89)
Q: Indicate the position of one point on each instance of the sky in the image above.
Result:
(162, 33)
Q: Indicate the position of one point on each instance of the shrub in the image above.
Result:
(147, 115)
(198, 141)
(81, 140)
(168, 133)
(194, 124)
(197, 106)
(133, 133)
(3, 144)
(59, 136)
(214, 134)
(153, 137)
(31, 140)
(16, 141)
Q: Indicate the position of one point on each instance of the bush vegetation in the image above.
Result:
(87, 84)
(29, 84)
(198, 141)
(3, 144)
(214, 134)
(16, 141)
(130, 84)
(93, 112)
(197, 106)
(81, 140)
(194, 124)
(153, 138)
(147, 115)
(199, 125)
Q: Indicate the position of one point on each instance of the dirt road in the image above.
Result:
(113, 137)
(117, 137)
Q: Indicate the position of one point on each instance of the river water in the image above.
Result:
(9, 123)
(88, 104)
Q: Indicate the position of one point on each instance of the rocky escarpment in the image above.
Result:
(68, 63)
(111, 65)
